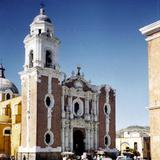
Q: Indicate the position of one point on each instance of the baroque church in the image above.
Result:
(52, 114)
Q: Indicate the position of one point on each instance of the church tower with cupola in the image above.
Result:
(41, 92)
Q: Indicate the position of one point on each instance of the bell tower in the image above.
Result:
(152, 34)
(41, 92)
(41, 44)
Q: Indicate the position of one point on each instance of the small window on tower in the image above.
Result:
(39, 31)
(48, 32)
(48, 59)
(31, 59)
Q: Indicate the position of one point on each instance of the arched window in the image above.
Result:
(48, 59)
(76, 107)
(8, 96)
(31, 59)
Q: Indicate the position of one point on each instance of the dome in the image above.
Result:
(5, 85)
(42, 17)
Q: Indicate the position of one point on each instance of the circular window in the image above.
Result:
(107, 109)
(48, 138)
(49, 101)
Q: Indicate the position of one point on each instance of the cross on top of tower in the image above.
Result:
(42, 11)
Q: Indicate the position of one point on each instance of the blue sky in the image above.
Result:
(101, 35)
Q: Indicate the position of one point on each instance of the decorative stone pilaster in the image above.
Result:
(96, 136)
(70, 106)
(63, 135)
(92, 137)
(87, 116)
(67, 138)
(62, 103)
(107, 104)
(71, 138)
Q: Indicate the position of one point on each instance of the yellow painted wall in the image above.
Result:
(10, 116)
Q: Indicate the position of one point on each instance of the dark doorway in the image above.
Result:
(78, 142)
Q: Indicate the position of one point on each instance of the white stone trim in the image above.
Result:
(81, 78)
(151, 28)
(51, 138)
(28, 110)
(36, 149)
(49, 84)
(109, 140)
(51, 99)
(108, 109)
(154, 36)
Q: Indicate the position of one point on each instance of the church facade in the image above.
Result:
(59, 114)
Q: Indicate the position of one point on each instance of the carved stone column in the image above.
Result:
(62, 105)
(70, 106)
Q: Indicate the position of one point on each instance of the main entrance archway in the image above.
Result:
(78, 142)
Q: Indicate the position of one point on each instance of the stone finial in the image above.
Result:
(78, 68)
(2, 69)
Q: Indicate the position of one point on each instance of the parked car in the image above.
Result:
(123, 158)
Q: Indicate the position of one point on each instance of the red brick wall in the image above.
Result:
(42, 90)
(112, 131)
(56, 119)
(102, 128)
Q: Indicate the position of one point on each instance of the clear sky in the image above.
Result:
(101, 35)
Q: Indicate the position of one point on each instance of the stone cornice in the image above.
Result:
(153, 108)
(150, 29)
